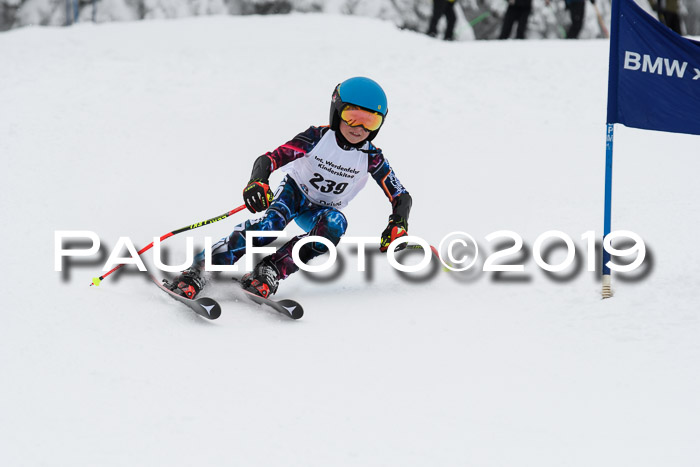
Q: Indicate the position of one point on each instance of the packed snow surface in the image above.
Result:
(136, 129)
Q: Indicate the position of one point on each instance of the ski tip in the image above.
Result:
(293, 308)
(209, 308)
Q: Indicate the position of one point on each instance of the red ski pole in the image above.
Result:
(97, 280)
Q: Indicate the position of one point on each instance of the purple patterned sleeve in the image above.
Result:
(384, 175)
(297, 147)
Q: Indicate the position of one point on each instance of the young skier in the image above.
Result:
(326, 167)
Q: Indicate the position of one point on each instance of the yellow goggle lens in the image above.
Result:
(355, 116)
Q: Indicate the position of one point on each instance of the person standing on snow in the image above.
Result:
(518, 11)
(440, 8)
(577, 8)
(326, 167)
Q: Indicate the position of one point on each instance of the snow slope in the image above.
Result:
(135, 129)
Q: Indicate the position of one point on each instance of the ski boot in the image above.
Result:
(263, 281)
(189, 283)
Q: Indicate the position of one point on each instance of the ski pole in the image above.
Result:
(479, 18)
(601, 22)
(97, 280)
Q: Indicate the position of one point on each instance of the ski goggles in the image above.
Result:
(356, 116)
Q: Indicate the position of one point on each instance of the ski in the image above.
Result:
(204, 306)
(286, 307)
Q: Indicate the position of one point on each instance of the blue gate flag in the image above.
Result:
(654, 75)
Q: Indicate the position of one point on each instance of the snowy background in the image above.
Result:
(476, 19)
(137, 128)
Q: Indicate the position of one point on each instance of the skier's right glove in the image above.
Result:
(257, 195)
(396, 228)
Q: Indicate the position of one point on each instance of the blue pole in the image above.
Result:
(608, 205)
(612, 117)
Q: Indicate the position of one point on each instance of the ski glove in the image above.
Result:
(396, 228)
(257, 195)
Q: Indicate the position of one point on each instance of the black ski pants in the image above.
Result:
(519, 14)
(440, 8)
(577, 11)
(671, 19)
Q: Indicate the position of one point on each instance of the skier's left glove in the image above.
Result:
(257, 195)
(397, 228)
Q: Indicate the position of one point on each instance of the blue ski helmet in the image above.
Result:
(362, 92)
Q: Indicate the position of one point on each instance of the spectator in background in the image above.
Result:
(518, 11)
(440, 8)
(668, 13)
